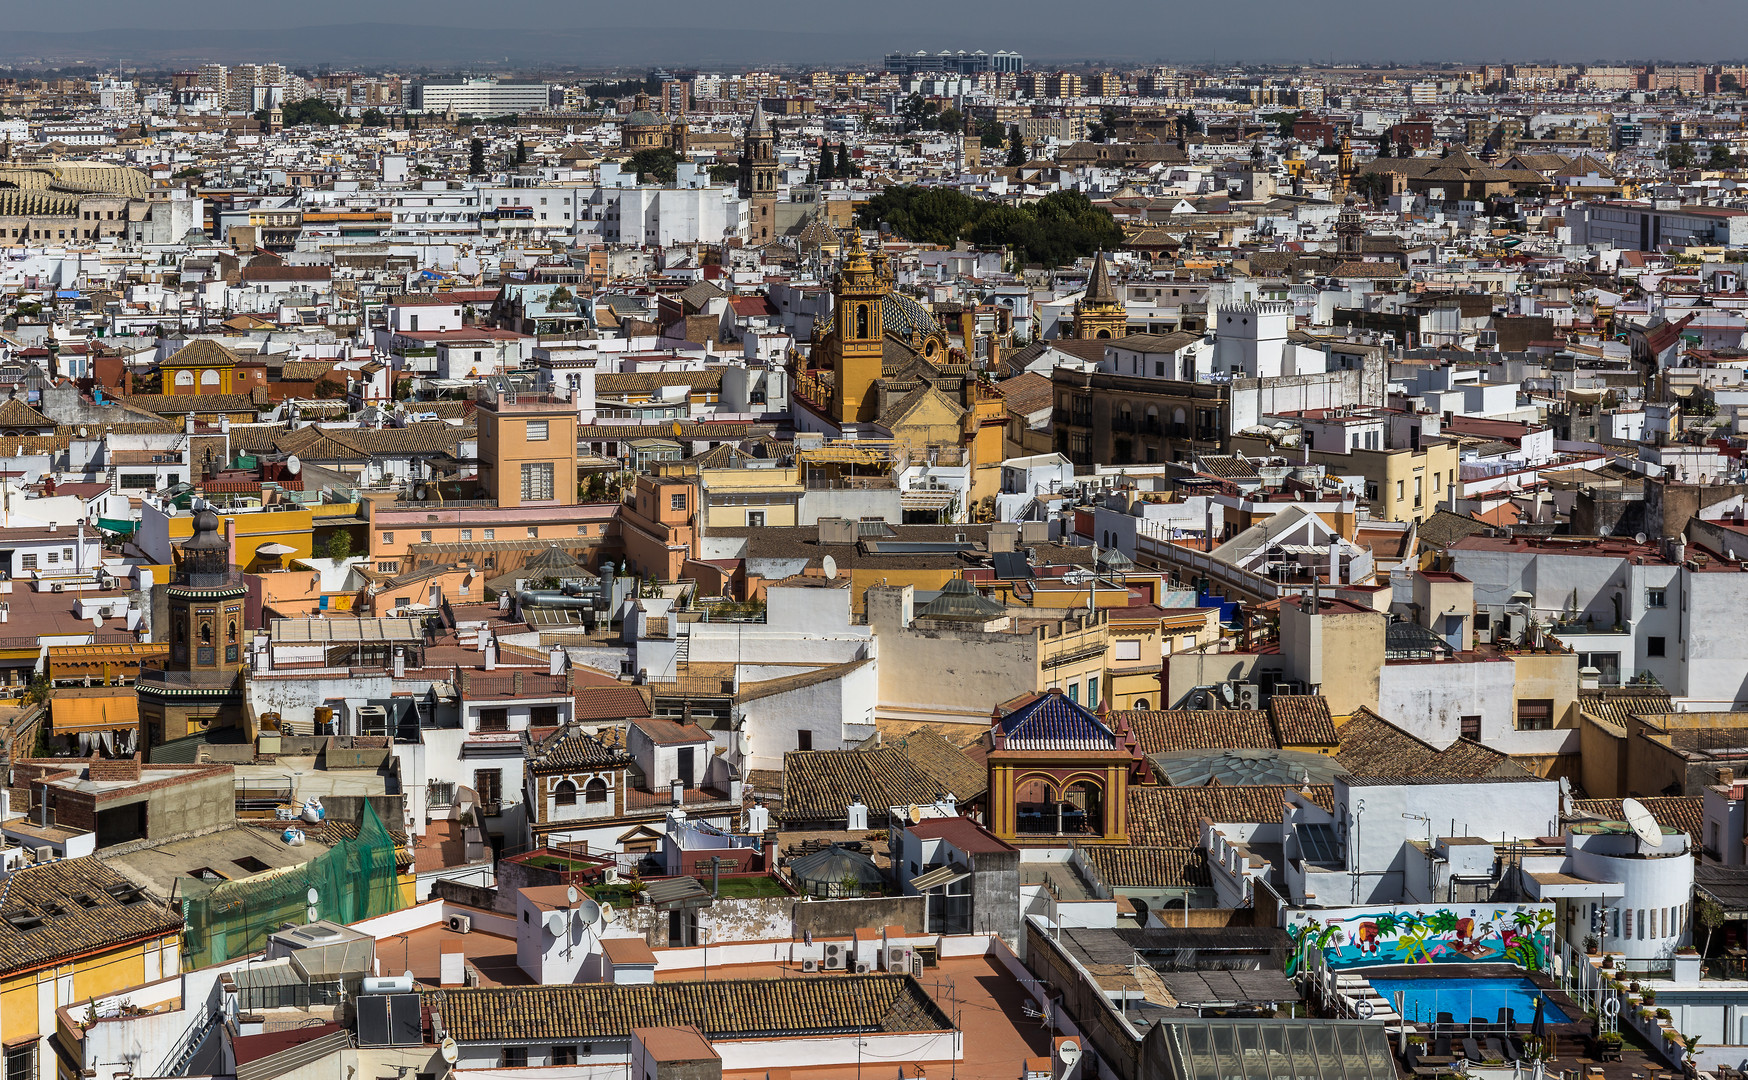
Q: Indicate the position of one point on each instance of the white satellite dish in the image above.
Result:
(744, 742)
(830, 566)
(571, 894)
(1638, 538)
(1644, 826)
(97, 621)
(293, 465)
(313, 895)
(450, 1051)
(587, 913)
(607, 914)
(1069, 1053)
(555, 921)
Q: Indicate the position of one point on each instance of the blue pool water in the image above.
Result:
(1424, 999)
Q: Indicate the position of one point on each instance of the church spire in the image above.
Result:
(1098, 288)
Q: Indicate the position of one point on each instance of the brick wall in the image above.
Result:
(119, 769)
(74, 809)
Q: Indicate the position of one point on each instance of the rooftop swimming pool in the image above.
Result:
(1466, 999)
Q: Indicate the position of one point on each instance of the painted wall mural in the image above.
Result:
(1518, 934)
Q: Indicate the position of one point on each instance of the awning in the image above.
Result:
(275, 549)
(680, 892)
(117, 525)
(939, 876)
(926, 499)
(107, 713)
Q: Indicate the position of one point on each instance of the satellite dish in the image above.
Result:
(313, 895)
(449, 1050)
(587, 913)
(1068, 1052)
(915, 813)
(1226, 693)
(97, 621)
(830, 565)
(607, 914)
(293, 465)
(1644, 826)
(570, 895)
(1604, 530)
(1638, 538)
(555, 921)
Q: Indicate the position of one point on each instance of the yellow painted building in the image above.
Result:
(74, 930)
(205, 367)
(255, 535)
(734, 498)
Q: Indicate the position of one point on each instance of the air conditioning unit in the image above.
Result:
(60, 586)
(108, 582)
(610, 876)
(43, 854)
(834, 957)
(810, 965)
(897, 959)
(1248, 695)
(461, 924)
(863, 967)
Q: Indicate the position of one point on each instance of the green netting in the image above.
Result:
(354, 879)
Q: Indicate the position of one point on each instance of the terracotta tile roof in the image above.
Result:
(650, 381)
(1372, 746)
(1028, 393)
(1150, 867)
(727, 1009)
(619, 702)
(1616, 706)
(1303, 720)
(1684, 812)
(203, 351)
(945, 764)
(1160, 731)
(819, 784)
(57, 894)
(16, 414)
(567, 748)
(1172, 816)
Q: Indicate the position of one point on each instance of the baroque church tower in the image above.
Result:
(1100, 313)
(857, 295)
(758, 175)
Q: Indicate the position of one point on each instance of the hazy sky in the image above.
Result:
(1268, 30)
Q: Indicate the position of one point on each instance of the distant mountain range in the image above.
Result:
(411, 46)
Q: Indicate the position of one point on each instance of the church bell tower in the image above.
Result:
(858, 295)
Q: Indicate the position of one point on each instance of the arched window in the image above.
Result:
(595, 791)
(208, 379)
(184, 378)
(1104, 333)
(861, 320)
(231, 635)
(1141, 704)
(565, 794)
(205, 634)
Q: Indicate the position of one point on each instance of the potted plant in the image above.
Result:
(1650, 996)
(1591, 945)
(1663, 1014)
(1417, 1041)
(1633, 986)
(1608, 962)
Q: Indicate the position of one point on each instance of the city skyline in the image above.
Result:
(781, 31)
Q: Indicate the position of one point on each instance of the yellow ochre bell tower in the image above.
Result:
(857, 295)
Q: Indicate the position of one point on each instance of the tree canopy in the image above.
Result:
(373, 118)
(657, 164)
(310, 111)
(1057, 229)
